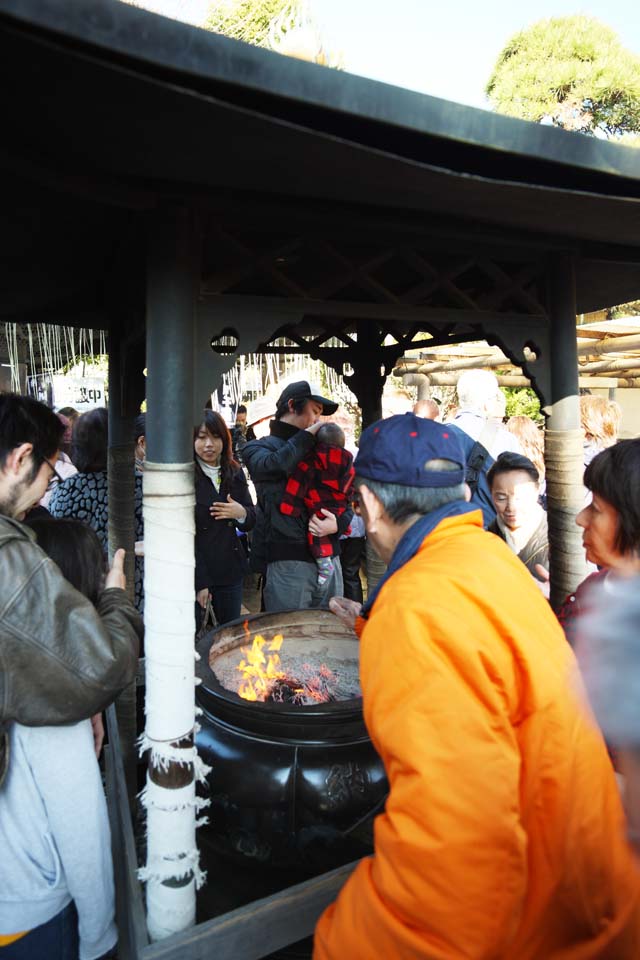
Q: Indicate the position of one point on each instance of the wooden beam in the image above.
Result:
(626, 363)
(612, 344)
(294, 310)
(518, 380)
(333, 218)
(259, 928)
(451, 379)
(467, 363)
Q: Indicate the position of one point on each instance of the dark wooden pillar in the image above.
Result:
(564, 457)
(121, 475)
(171, 871)
(371, 363)
(171, 296)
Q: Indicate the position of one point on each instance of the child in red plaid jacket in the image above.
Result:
(321, 481)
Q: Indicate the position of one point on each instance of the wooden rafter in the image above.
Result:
(320, 269)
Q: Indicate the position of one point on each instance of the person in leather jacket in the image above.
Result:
(61, 659)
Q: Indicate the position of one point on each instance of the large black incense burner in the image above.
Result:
(292, 781)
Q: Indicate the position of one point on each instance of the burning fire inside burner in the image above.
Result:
(295, 781)
(264, 679)
(298, 671)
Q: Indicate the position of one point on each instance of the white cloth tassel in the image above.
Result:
(162, 754)
(176, 867)
(200, 769)
(179, 799)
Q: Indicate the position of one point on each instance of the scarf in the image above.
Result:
(412, 540)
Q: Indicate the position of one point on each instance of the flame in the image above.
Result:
(259, 671)
(261, 668)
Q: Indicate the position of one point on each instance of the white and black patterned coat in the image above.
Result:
(84, 496)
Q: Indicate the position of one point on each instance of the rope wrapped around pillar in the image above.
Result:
(564, 465)
(172, 870)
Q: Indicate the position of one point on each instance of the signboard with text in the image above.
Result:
(81, 393)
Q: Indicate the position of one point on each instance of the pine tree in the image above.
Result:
(572, 71)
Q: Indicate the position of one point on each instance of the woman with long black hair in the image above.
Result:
(223, 510)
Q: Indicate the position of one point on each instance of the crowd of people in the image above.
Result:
(504, 831)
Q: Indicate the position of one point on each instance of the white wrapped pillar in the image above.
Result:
(172, 870)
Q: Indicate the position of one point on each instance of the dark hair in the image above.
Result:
(25, 420)
(299, 403)
(509, 461)
(75, 548)
(401, 502)
(331, 433)
(139, 426)
(70, 413)
(241, 409)
(216, 426)
(614, 475)
(90, 441)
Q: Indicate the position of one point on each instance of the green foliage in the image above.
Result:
(247, 20)
(98, 362)
(522, 401)
(631, 309)
(573, 71)
(286, 26)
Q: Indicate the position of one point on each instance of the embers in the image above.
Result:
(264, 679)
(316, 686)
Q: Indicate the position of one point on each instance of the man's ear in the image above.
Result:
(372, 506)
(17, 458)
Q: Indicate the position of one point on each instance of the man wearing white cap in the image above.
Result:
(280, 547)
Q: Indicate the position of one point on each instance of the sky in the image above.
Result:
(446, 49)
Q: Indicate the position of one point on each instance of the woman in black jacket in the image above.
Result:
(223, 507)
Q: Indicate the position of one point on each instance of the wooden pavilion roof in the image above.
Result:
(108, 110)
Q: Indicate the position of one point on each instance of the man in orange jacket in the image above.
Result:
(503, 833)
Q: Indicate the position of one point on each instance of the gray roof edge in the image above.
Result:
(190, 51)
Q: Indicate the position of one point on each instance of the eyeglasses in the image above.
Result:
(54, 473)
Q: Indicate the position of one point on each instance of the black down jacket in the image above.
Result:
(270, 461)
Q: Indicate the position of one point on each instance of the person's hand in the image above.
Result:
(116, 577)
(231, 510)
(345, 610)
(202, 596)
(98, 733)
(542, 580)
(323, 527)
(314, 427)
(139, 548)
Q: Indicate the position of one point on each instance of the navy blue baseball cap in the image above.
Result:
(396, 450)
